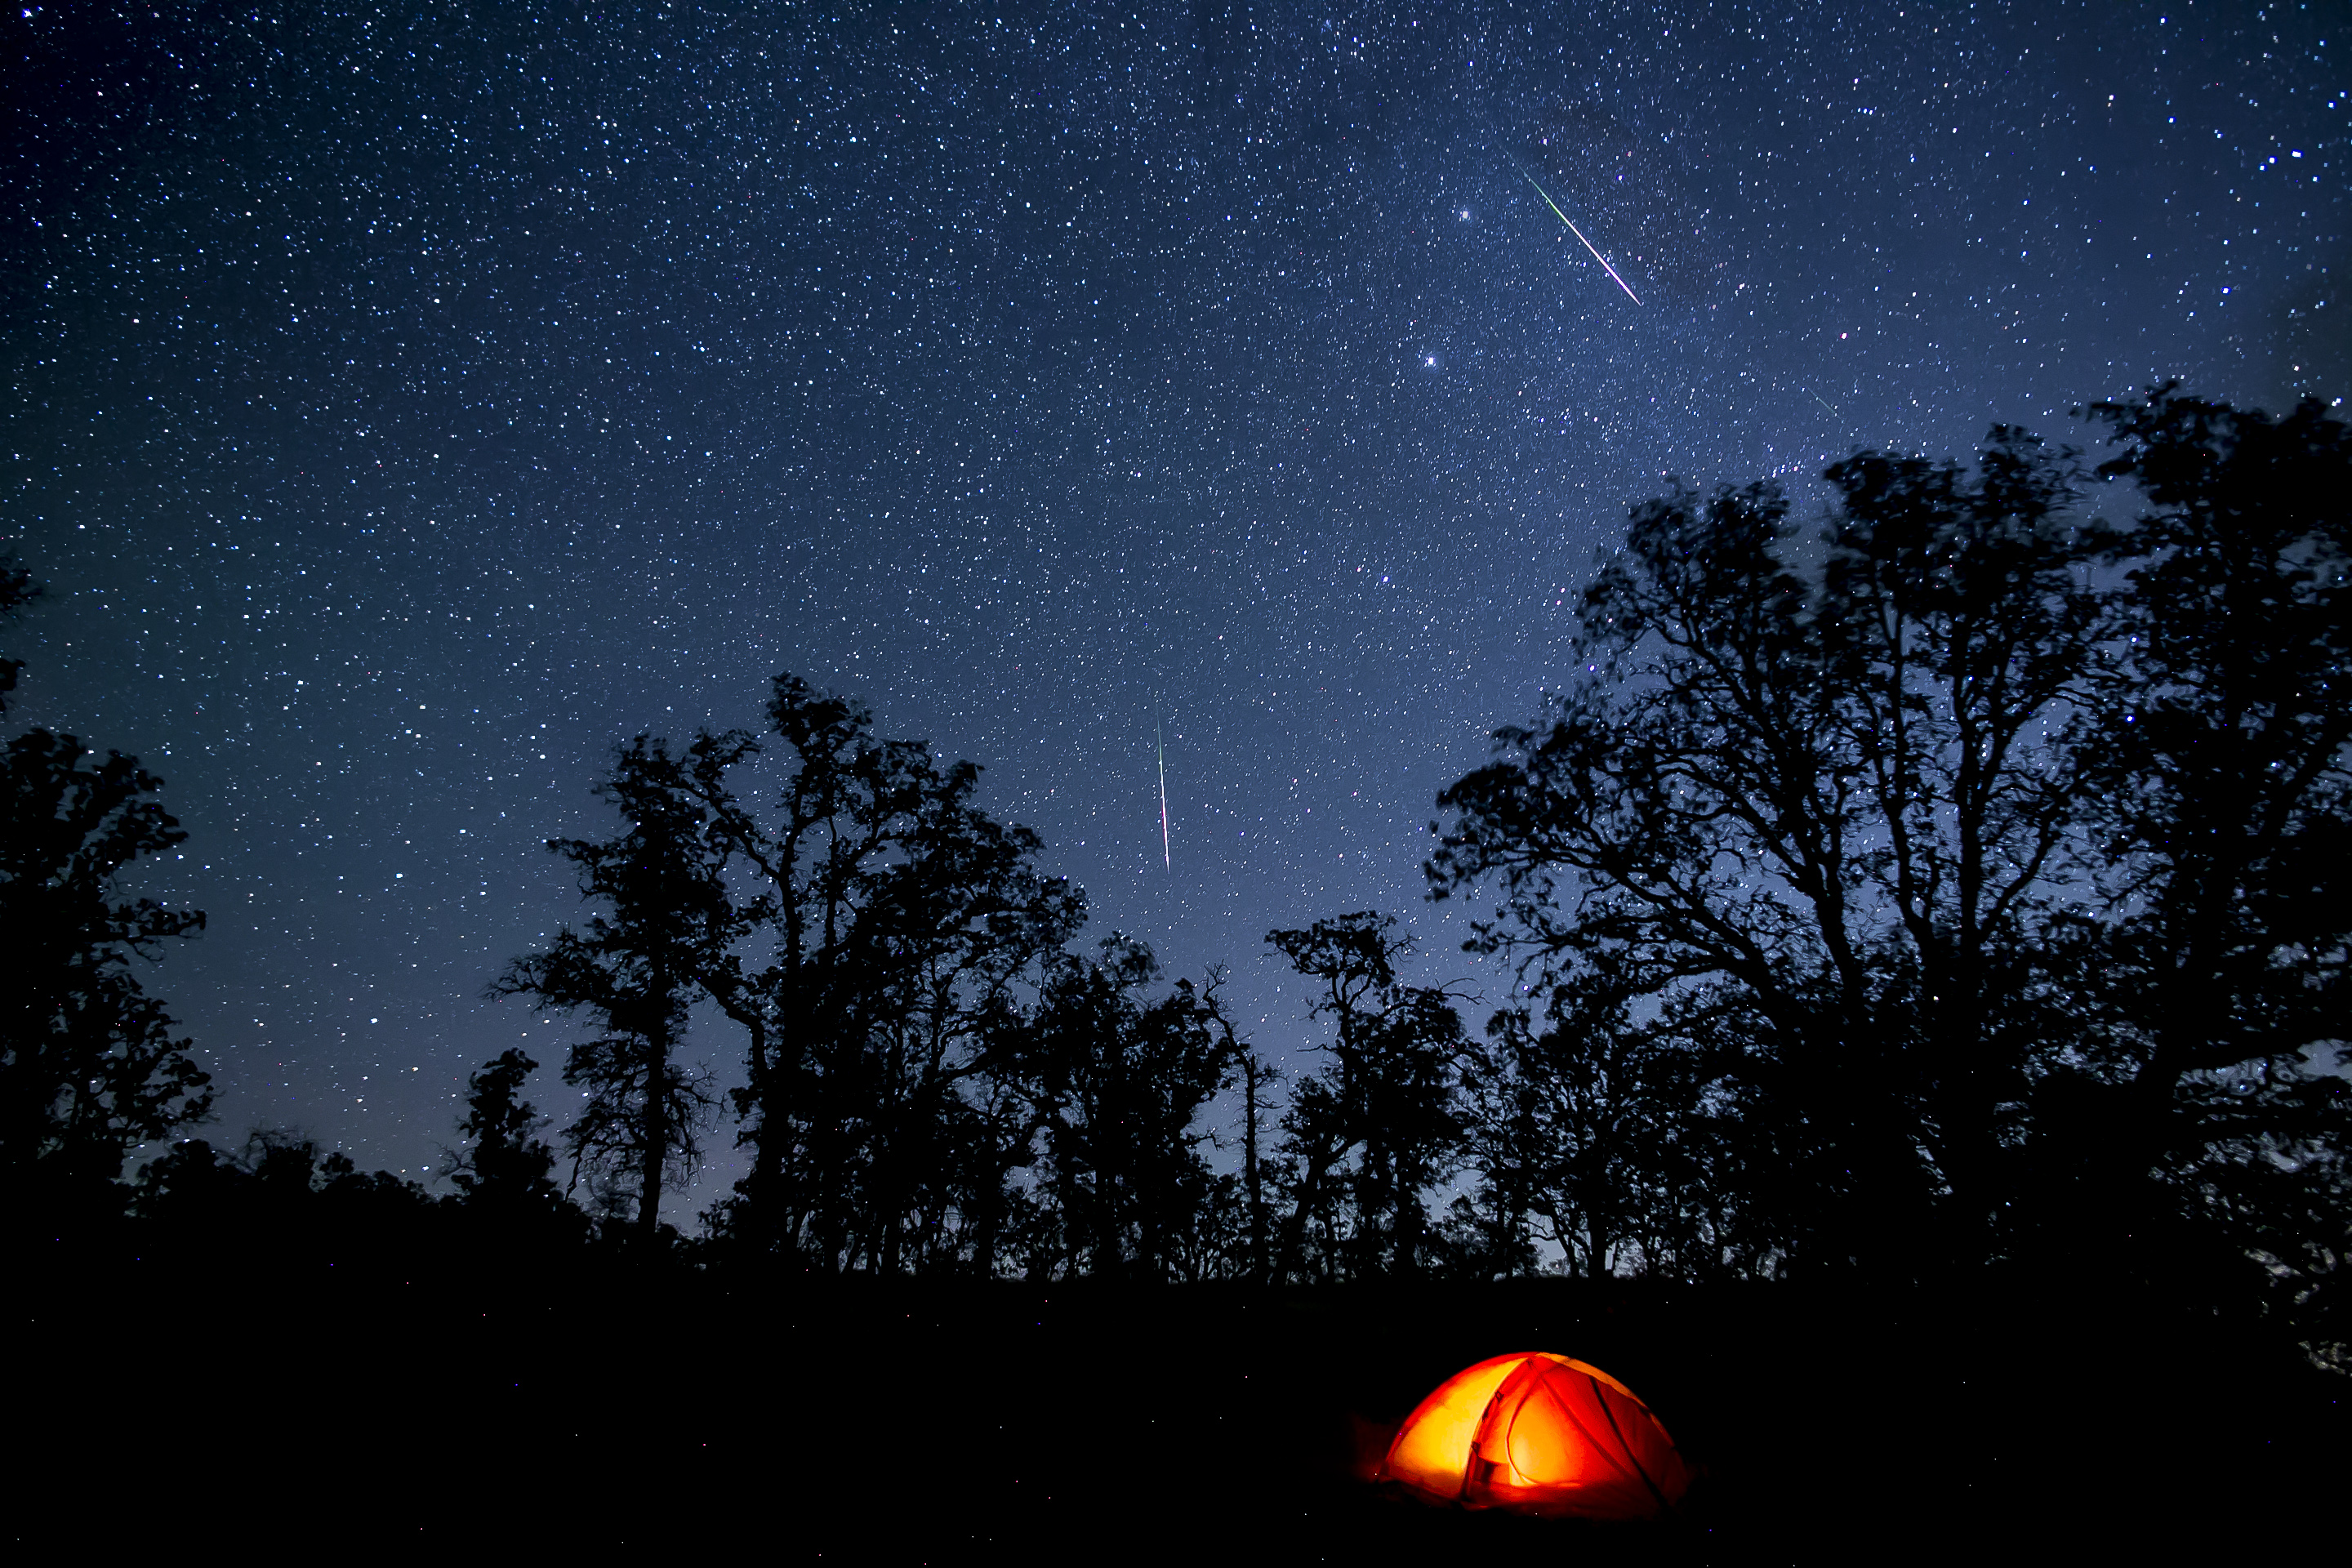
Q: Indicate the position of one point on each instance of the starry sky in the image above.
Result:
(407, 404)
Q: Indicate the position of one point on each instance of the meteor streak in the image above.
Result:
(1160, 746)
(1581, 239)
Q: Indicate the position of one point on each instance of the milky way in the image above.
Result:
(407, 406)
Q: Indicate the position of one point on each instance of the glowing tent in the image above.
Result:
(1537, 1433)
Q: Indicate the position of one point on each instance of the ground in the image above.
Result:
(497, 1408)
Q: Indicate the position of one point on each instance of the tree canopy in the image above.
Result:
(1954, 880)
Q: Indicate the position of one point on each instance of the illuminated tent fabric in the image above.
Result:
(1537, 1433)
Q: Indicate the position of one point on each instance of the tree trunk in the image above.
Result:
(649, 1194)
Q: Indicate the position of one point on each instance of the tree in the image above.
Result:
(1603, 1134)
(18, 589)
(667, 922)
(2013, 846)
(1957, 623)
(908, 929)
(1842, 793)
(90, 1068)
(956, 944)
(840, 806)
(1379, 1125)
(282, 1196)
(1119, 1083)
(2220, 776)
(504, 1166)
(1258, 1078)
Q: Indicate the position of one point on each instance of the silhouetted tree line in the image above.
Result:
(1958, 881)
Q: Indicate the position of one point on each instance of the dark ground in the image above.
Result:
(320, 1411)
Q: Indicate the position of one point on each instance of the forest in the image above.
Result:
(1949, 887)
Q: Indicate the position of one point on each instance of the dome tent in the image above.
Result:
(1537, 1433)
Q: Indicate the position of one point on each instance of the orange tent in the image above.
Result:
(1537, 1433)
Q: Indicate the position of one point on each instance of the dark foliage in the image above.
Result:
(1367, 1137)
(1607, 1139)
(90, 1069)
(1967, 887)
(503, 1171)
(18, 589)
(666, 922)
(1842, 793)
(279, 1199)
(2219, 782)
(896, 932)
(1117, 1083)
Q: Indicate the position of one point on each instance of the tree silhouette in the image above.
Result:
(1368, 1135)
(1988, 865)
(1601, 1134)
(2221, 782)
(18, 589)
(844, 801)
(958, 938)
(281, 1197)
(665, 923)
(1258, 1078)
(1958, 624)
(908, 927)
(504, 1167)
(1843, 793)
(1119, 1083)
(89, 1067)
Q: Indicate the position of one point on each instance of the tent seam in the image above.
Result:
(1626, 1443)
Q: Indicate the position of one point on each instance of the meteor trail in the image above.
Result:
(1161, 747)
(1579, 234)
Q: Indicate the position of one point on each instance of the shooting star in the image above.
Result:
(1160, 746)
(1826, 403)
(1579, 234)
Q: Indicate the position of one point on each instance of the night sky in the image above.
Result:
(406, 404)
